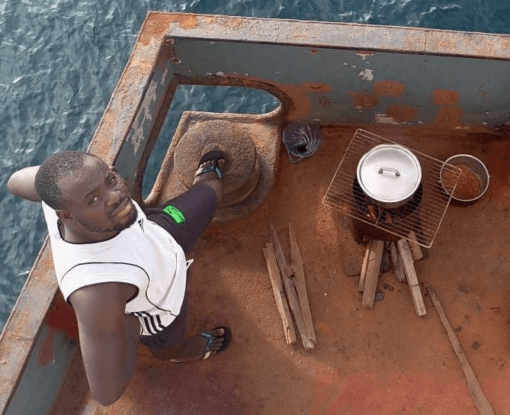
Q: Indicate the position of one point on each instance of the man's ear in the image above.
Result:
(64, 215)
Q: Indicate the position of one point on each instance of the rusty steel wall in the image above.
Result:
(357, 86)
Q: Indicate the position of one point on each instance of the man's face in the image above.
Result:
(98, 200)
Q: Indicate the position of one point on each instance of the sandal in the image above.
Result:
(211, 340)
(214, 155)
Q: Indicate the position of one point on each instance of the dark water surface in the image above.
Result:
(60, 60)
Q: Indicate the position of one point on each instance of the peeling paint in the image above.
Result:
(143, 114)
(381, 118)
(365, 55)
(367, 75)
(164, 80)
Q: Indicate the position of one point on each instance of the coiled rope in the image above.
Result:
(302, 139)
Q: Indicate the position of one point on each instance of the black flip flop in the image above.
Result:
(214, 155)
(227, 338)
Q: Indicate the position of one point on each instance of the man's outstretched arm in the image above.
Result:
(108, 338)
(22, 183)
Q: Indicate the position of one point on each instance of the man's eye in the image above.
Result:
(112, 179)
(93, 200)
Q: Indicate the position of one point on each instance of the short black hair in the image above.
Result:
(54, 168)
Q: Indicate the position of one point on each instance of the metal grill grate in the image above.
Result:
(423, 214)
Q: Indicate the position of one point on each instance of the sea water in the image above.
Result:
(60, 61)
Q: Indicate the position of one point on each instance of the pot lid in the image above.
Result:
(389, 173)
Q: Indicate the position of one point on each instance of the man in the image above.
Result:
(122, 269)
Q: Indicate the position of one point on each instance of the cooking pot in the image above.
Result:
(389, 175)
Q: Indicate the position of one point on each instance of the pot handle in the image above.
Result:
(381, 170)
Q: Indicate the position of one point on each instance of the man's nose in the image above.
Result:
(114, 197)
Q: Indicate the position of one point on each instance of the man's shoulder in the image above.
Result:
(104, 297)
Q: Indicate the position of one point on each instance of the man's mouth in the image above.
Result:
(123, 208)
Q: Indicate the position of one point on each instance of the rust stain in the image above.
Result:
(317, 87)
(61, 317)
(154, 27)
(389, 88)
(402, 113)
(300, 96)
(46, 354)
(445, 97)
(300, 100)
(325, 101)
(363, 99)
(448, 115)
(188, 21)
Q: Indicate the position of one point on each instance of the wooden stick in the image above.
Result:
(481, 402)
(419, 305)
(373, 271)
(298, 271)
(363, 275)
(397, 263)
(407, 262)
(290, 290)
(415, 246)
(279, 294)
(412, 279)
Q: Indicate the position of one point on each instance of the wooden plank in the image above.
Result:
(373, 271)
(297, 269)
(397, 263)
(419, 305)
(481, 402)
(290, 290)
(415, 246)
(408, 262)
(363, 275)
(279, 294)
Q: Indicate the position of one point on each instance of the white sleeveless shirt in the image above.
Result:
(144, 255)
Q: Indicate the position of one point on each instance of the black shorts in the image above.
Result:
(186, 218)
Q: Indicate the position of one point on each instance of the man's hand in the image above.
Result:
(108, 338)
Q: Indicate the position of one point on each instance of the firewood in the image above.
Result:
(297, 269)
(412, 279)
(363, 275)
(408, 262)
(373, 271)
(397, 263)
(481, 402)
(290, 290)
(416, 296)
(415, 246)
(279, 294)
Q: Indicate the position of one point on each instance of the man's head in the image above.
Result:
(53, 169)
(90, 198)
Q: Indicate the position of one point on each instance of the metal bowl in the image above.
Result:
(473, 169)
